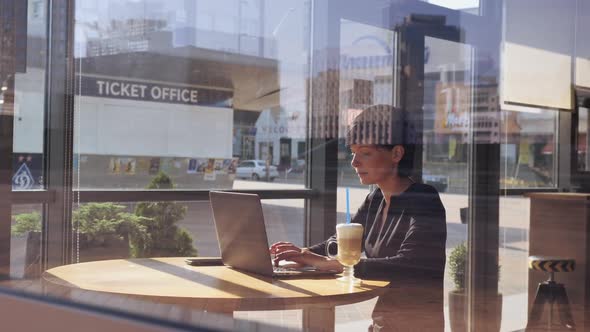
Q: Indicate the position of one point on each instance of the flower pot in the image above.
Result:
(458, 312)
(25, 255)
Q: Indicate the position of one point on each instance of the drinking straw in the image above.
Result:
(347, 205)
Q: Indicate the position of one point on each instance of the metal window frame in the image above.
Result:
(58, 197)
(56, 243)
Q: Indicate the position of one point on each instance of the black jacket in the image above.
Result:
(413, 237)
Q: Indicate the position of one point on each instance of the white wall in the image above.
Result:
(139, 128)
(28, 111)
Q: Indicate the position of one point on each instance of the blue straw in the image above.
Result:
(347, 205)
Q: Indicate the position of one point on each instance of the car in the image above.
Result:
(256, 170)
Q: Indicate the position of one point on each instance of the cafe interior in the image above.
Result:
(121, 117)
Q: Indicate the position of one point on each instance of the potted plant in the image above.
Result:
(106, 231)
(25, 245)
(103, 231)
(457, 300)
(457, 263)
(164, 237)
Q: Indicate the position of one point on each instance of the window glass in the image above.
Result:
(528, 149)
(25, 241)
(187, 96)
(189, 89)
(114, 230)
(28, 90)
(581, 148)
(469, 6)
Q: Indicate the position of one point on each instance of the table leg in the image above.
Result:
(319, 318)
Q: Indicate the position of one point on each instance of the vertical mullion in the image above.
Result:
(323, 107)
(59, 133)
(484, 183)
(7, 72)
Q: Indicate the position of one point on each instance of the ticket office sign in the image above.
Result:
(154, 92)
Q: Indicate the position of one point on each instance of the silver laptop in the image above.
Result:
(241, 233)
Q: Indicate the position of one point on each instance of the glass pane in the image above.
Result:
(449, 101)
(202, 94)
(528, 148)
(468, 6)
(25, 241)
(190, 89)
(29, 95)
(168, 229)
(438, 104)
(582, 155)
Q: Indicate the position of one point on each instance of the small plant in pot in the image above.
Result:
(102, 231)
(457, 263)
(25, 245)
(107, 231)
(457, 300)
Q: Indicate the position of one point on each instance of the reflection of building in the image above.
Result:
(456, 114)
(280, 136)
(134, 108)
(132, 35)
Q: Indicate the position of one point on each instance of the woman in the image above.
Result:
(404, 222)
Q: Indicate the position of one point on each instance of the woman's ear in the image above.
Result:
(398, 153)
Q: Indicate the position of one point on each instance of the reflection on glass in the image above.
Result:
(582, 155)
(114, 230)
(469, 6)
(29, 93)
(528, 148)
(448, 104)
(25, 241)
(191, 89)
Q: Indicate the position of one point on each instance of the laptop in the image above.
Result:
(241, 233)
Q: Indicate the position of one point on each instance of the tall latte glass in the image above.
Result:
(348, 237)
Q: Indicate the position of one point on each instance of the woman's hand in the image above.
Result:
(287, 251)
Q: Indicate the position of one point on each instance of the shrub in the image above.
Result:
(98, 221)
(164, 237)
(26, 222)
(457, 265)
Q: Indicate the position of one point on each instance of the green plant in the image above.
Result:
(457, 265)
(99, 221)
(26, 222)
(164, 237)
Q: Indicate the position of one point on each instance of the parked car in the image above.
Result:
(256, 170)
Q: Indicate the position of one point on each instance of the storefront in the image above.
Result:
(115, 105)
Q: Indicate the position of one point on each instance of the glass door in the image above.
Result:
(434, 64)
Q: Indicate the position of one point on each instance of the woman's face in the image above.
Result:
(374, 165)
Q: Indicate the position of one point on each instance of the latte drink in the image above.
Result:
(349, 237)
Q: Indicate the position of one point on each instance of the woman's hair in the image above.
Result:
(385, 127)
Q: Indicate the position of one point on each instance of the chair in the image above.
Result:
(551, 293)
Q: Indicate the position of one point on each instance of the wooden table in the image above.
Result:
(214, 288)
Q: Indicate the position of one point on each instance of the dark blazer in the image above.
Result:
(411, 255)
(414, 236)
